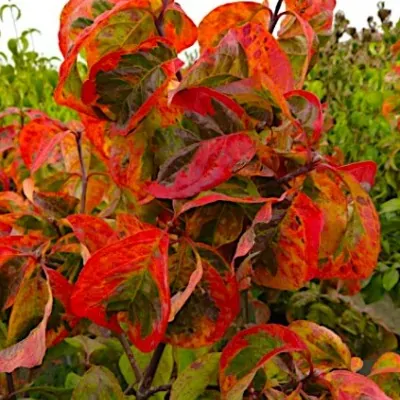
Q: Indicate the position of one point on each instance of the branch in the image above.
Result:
(10, 386)
(125, 344)
(143, 392)
(163, 388)
(78, 138)
(300, 171)
(275, 17)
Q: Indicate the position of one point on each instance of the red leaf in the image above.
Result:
(93, 232)
(128, 225)
(207, 164)
(131, 274)
(212, 306)
(360, 245)
(37, 139)
(249, 351)
(346, 385)
(363, 171)
(29, 352)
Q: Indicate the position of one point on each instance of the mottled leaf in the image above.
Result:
(386, 374)
(203, 166)
(364, 172)
(56, 205)
(220, 20)
(289, 257)
(93, 232)
(349, 385)
(193, 381)
(249, 351)
(358, 251)
(124, 286)
(26, 341)
(211, 308)
(98, 383)
(178, 28)
(327, 349)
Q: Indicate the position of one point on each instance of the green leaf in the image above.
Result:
(72, 380)
(185, 357)
(390, 206)
(194, 379)
(390, 279)
(98, 384)
(164, 370)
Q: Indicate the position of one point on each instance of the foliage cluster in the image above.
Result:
(358, 78)
(28, 80)
(140, 246)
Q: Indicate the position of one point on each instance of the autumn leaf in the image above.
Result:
(178, 28)
(359, 248)
(349, 385)
(37, 139)
(212, 306)
(26, 341)
(327, 349)
(124, 286)
(286, 251)
(249, 351)
(202, 166)
(220, 20)
(386, 372)
(318, 13)
(363, 171)
(93, 232)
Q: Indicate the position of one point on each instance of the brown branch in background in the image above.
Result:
(298, 172)
(275, 17)
(143, 392)
(125, 344)
(78, 138)
(10, 386)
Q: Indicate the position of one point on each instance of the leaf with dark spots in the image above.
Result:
(203, 166)
(98, 382)
(249, 351)
(193, 381)
(211, 308)
(57, 205)
(357, 254)
(124, 286)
